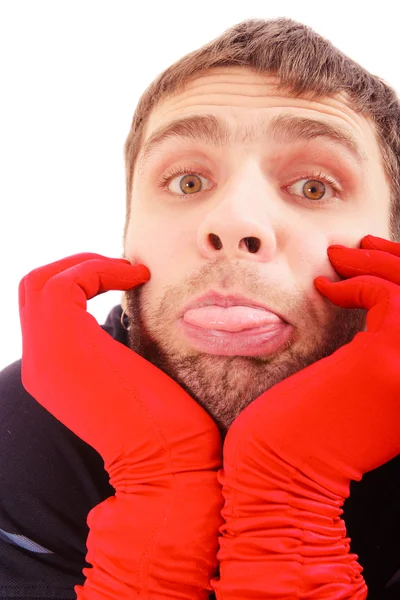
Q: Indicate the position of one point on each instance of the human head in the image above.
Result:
(295, 69)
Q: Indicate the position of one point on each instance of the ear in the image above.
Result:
(123, 301)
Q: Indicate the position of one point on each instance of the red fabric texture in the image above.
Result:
(158, 536)
(290, 456)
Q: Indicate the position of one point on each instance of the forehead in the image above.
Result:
(243, 99)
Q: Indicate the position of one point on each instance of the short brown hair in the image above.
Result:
(306, 64)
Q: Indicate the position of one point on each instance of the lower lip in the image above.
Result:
(250, 342)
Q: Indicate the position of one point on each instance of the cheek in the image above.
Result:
(158, 244)
(165, 250)
(307, 252)
(308, 258)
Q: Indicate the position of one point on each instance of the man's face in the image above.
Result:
(251, 214)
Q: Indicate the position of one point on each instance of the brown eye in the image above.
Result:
(314, 189)
(188, 184)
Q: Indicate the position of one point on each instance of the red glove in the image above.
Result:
(158, 536)
(290, 456)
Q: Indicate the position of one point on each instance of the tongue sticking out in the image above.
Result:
(233, 318)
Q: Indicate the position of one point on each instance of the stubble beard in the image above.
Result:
(225, 385)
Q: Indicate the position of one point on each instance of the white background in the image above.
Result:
(71, 73)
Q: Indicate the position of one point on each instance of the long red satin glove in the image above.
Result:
(158, 536)
(290, 456)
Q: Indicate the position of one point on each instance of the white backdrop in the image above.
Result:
(71, 73)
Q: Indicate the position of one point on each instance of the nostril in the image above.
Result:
(252, 243)
(215, 240)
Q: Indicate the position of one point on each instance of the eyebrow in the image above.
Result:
(282, 128)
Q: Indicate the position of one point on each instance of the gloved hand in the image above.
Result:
(158, 536)
(290, 456)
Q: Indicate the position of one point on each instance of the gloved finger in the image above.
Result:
(350, 262)
(38, 278)
(380, 297)
(364, 291)
(370, 242)
(84, 281)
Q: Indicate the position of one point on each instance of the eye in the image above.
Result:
(315, 189)
(183, 181)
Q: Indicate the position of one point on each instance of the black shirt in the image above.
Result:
(50, 479)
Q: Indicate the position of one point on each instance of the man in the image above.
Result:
(289, 150)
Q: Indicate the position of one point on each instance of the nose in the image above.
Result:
(242, 222)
